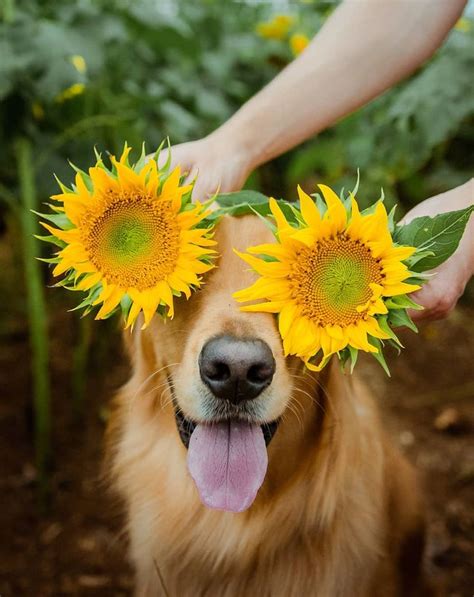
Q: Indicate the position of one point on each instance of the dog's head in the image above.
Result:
(228, 379)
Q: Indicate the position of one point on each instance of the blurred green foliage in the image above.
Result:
(179, 69)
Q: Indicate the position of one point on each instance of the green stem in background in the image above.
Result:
(7, 10)
(36, 313)
(79, 373)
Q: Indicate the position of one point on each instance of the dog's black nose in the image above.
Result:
(235, 369)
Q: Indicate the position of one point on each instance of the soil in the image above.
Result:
(74, 545)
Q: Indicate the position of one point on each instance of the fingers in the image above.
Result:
(438, 300)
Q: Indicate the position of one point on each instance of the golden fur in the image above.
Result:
(338, 513)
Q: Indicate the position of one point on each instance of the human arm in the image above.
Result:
(365, 47)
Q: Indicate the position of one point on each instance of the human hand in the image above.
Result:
(216, 162)
(440, 294)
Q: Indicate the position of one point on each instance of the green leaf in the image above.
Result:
(240, 198)
(249, 202)
(440, 235)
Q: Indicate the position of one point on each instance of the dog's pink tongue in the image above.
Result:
(228, 462)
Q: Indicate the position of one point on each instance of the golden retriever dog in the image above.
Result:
(242, 473)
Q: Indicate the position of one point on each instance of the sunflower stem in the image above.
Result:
(80, 364)
(36, 315)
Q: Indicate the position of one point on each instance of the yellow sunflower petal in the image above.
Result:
(272, 250)
(336, 212)
(110, 304)
(270, 307)
(179, 285)
(400, 288)
(274, 269)
(68, 236)
(127, 177)
(166, 296)
(287, 317)
(132, 314)
(89, 281)
(82, 188)
(102, 181)
(309, 210)
(125, 154)
(281, 222)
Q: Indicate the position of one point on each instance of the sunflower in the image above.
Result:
(129, 237)
(330, 278)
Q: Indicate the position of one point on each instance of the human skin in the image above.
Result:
(364, 48)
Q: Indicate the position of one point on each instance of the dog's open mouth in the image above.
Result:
(227, 459)
(186, 428)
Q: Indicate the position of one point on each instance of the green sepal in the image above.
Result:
(402, 301)
(384, 326)
(98, 156)
(51, 260)
(53, 240)
(63, 187)
(379, 356)
(60, 220)
(320, 203)
(354, 355)
(391, 219)
(85, 177)
(348, 355)
(344, 356)
(138, 165)
(400, 318)
(297, 215)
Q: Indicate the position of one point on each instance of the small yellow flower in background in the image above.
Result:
(464, 25)
(328, 277)
(79, 63)
(277, 28)
(298, 42)
(129, 237)
(70, 92)
(37, 111)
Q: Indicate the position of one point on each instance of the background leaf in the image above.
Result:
(439, 235)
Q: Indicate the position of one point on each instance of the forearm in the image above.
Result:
(365, 47)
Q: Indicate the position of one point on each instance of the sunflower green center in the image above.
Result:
(134, 241)
(332, 279)
(129, 238)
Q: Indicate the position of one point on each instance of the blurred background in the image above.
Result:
(81, 74)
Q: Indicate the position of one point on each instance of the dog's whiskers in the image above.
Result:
(311, 397)
(145, 381)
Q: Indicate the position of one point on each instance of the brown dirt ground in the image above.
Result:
(76, 548)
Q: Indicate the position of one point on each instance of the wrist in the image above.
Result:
(237, 138)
